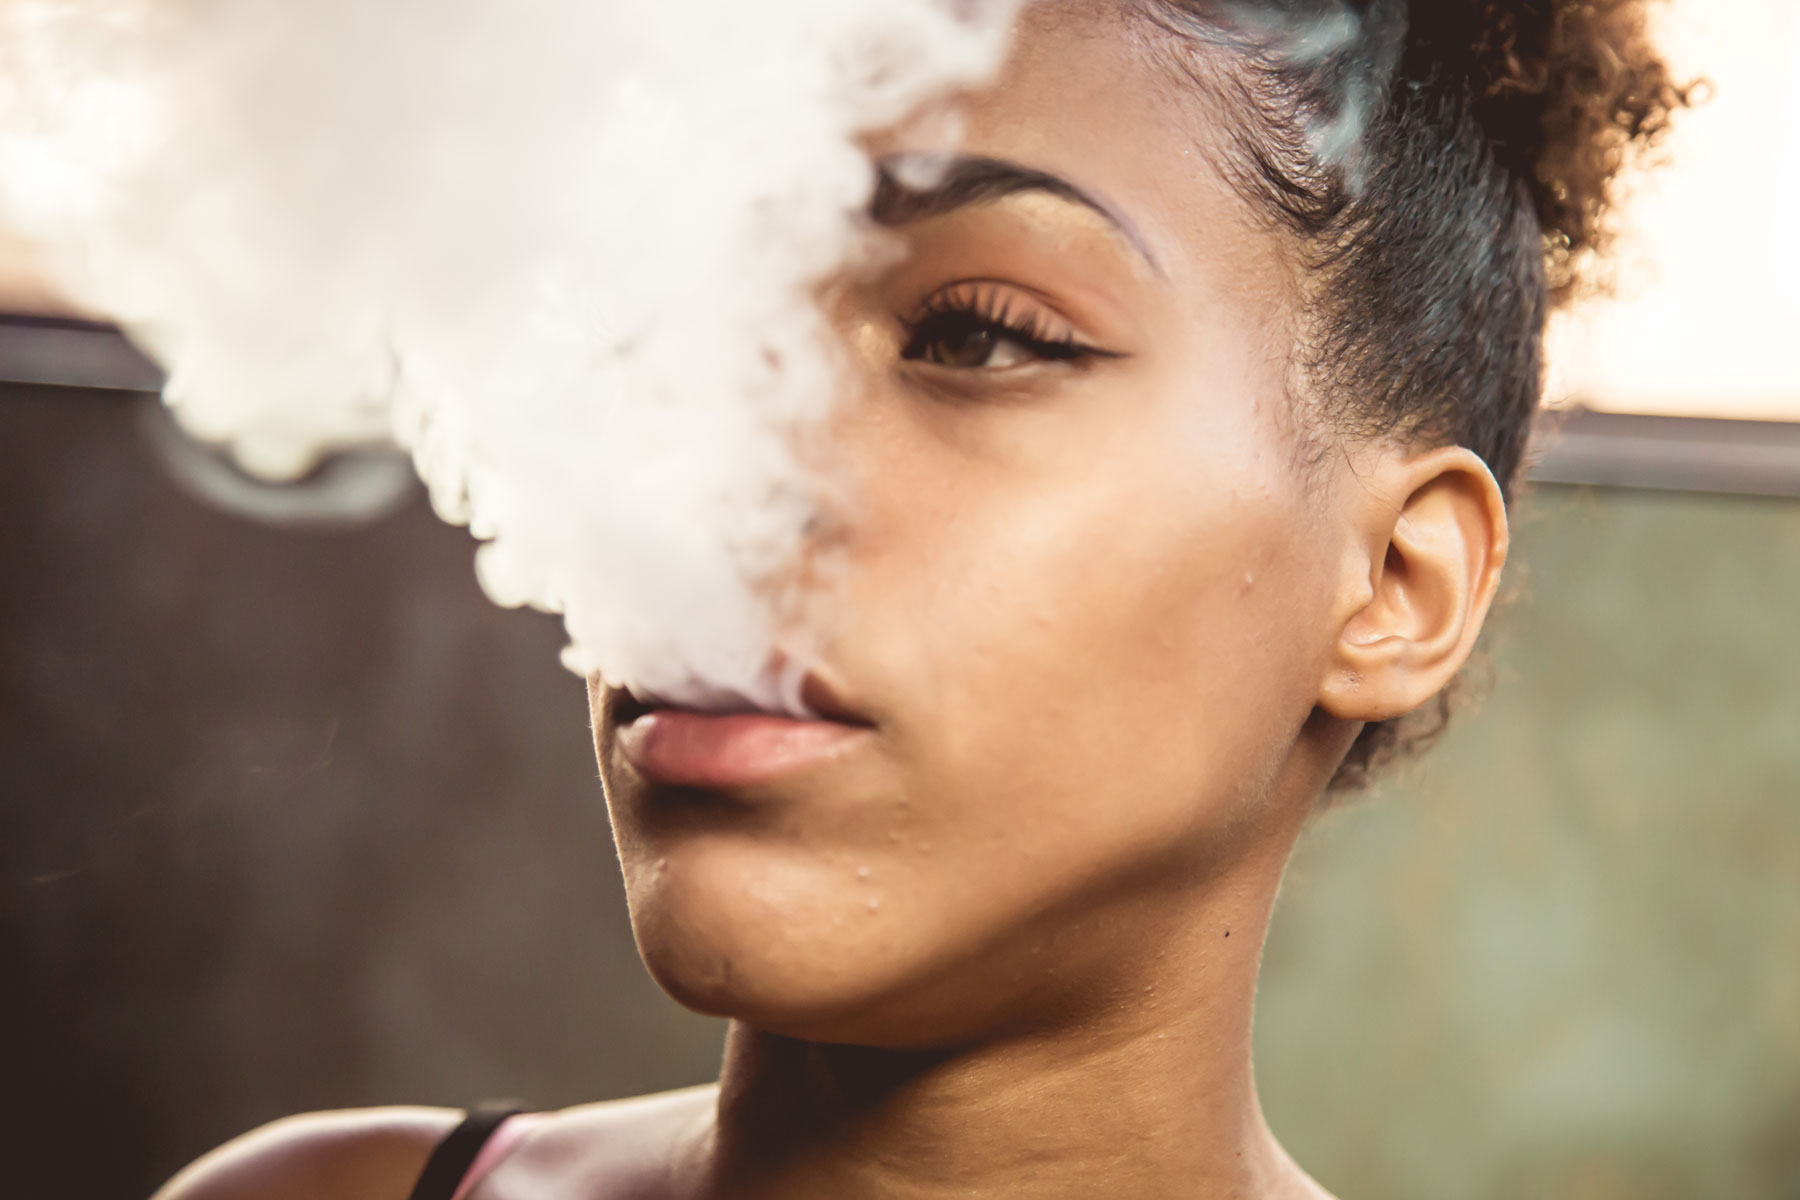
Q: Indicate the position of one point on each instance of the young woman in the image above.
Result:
(1185, 430)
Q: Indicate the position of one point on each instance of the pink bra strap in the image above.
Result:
(502, 1142)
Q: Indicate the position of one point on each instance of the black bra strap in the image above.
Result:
(454, 1155)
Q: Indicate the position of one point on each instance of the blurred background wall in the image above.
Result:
(1561, 958)
(294, 819)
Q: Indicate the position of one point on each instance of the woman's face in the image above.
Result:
(1090, 581)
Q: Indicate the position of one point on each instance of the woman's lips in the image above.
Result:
(723, 750)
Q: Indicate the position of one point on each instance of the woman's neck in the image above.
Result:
(1151, 1097)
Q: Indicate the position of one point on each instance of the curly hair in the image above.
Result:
(1445, 169)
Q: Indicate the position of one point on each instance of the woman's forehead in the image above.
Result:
(1102, 100)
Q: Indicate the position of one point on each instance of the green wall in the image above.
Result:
(1561, 956)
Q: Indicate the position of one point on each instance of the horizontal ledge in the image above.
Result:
(1687, 454)
(1573, 446)
(62, 352)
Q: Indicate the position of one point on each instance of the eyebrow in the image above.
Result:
(966, 180)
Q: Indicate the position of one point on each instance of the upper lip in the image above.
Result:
(819, 696)
(626, 706)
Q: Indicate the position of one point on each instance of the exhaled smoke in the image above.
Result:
(565, 251)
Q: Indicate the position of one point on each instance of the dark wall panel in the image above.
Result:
(292, 819)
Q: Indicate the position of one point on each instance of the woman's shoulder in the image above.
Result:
(646, 1146)
(357, 1154)
(378, 1153)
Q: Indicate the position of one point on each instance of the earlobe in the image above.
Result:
(1431, 536)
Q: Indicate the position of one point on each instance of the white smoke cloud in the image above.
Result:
(564, 251)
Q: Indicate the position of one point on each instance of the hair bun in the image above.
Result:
(1566, 90)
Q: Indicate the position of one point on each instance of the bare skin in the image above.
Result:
(1114, 624)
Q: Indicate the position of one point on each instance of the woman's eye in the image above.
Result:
(967, 342)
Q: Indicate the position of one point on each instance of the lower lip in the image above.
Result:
(687, 749)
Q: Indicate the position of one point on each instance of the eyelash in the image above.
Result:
(990, 309)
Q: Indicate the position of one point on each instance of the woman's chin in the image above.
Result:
(801, 995)
(805, 958)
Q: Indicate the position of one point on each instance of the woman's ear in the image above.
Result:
(1430, 537)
